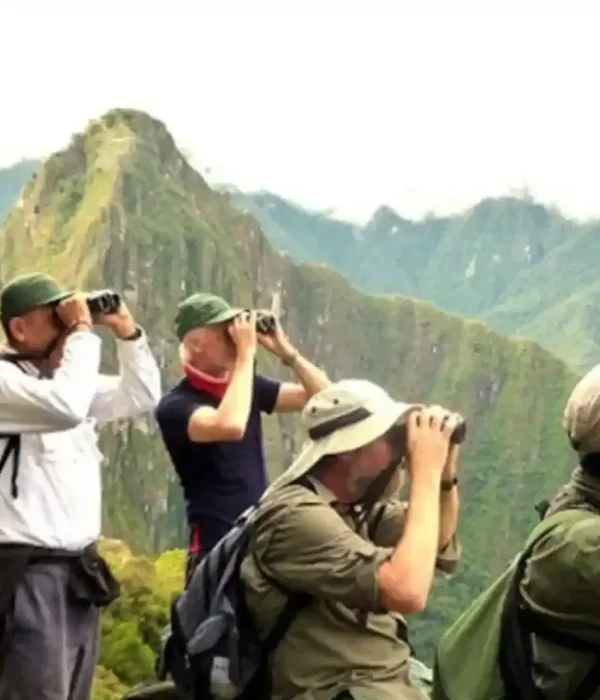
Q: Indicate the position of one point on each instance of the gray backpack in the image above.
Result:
(212, 648)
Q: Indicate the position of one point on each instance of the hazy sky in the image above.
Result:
(326, 101)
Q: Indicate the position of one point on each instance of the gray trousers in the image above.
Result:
(51, 643)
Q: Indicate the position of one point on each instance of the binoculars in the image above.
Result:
(266, 323)
(459, 433)
(104, 301)
(398, 435)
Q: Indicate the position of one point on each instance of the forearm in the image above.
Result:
(449, 507)
(449, 500)
(234, 408)
(137, 387)
(412, 564)
(311, 377)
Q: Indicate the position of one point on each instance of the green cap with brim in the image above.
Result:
(201, 310)
(28, 292)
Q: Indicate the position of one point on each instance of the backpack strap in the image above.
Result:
(515, 654)
(13, 440)
(11, 448)
(293, 606)
(260, 686)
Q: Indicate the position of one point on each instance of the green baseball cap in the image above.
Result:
(27, 292)
(201, 310)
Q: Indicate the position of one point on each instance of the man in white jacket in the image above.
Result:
(52, 397)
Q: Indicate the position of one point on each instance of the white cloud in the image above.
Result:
(334, 103)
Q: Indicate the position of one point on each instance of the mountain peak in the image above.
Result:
(137, 122)
(385, 218)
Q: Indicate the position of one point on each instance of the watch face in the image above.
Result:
(448, 484)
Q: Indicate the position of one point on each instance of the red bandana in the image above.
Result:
(204, 382)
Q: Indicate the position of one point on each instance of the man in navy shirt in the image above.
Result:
(211, 421)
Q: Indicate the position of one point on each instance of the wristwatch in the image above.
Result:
(448, 484)
(134, 336)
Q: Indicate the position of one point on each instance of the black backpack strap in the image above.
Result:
(175, 660)
(590, 684)
(293, 606)
(374, 524)
(13, 440)
(516, 654)
(535, 624)
(259, 687)
(11, 448)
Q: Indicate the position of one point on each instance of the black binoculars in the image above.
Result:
(398, 435)
(104, 301)
(459, 433)
(266, 323)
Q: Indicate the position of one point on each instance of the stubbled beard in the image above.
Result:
(394, 485)
(357, 485)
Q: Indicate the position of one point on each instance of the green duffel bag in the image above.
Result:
(481, 656)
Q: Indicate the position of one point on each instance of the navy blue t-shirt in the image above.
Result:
(219, 479)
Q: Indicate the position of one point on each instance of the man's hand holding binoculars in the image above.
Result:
(242, 331)
(106, 308)
(272, 336)
(434, 439)
(261, 327)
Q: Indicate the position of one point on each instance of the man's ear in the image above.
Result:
(17, 329)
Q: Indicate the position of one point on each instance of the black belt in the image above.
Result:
(90, 578)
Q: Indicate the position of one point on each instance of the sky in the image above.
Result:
(341, 105)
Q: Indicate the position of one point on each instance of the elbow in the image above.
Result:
(406, 602)
(413, 603)
(70, 414)
(398, 593)
(147, 399)
(215, 432)
(233, 432)
(69, 418)
(153, 396)
(151, 391)
(155, 389)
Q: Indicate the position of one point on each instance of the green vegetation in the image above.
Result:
(520, 266)
(121, 207)
(133, 624)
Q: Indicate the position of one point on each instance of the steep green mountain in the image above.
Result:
(520, 266)
(11, 181)
(326, 240)
(121, 207)
(516, 264)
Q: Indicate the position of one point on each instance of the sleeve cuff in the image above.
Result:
(367, 581)
(133, 346)
(136, 335)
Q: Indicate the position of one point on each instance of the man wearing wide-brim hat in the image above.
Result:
(331, 527)
(52, 396)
